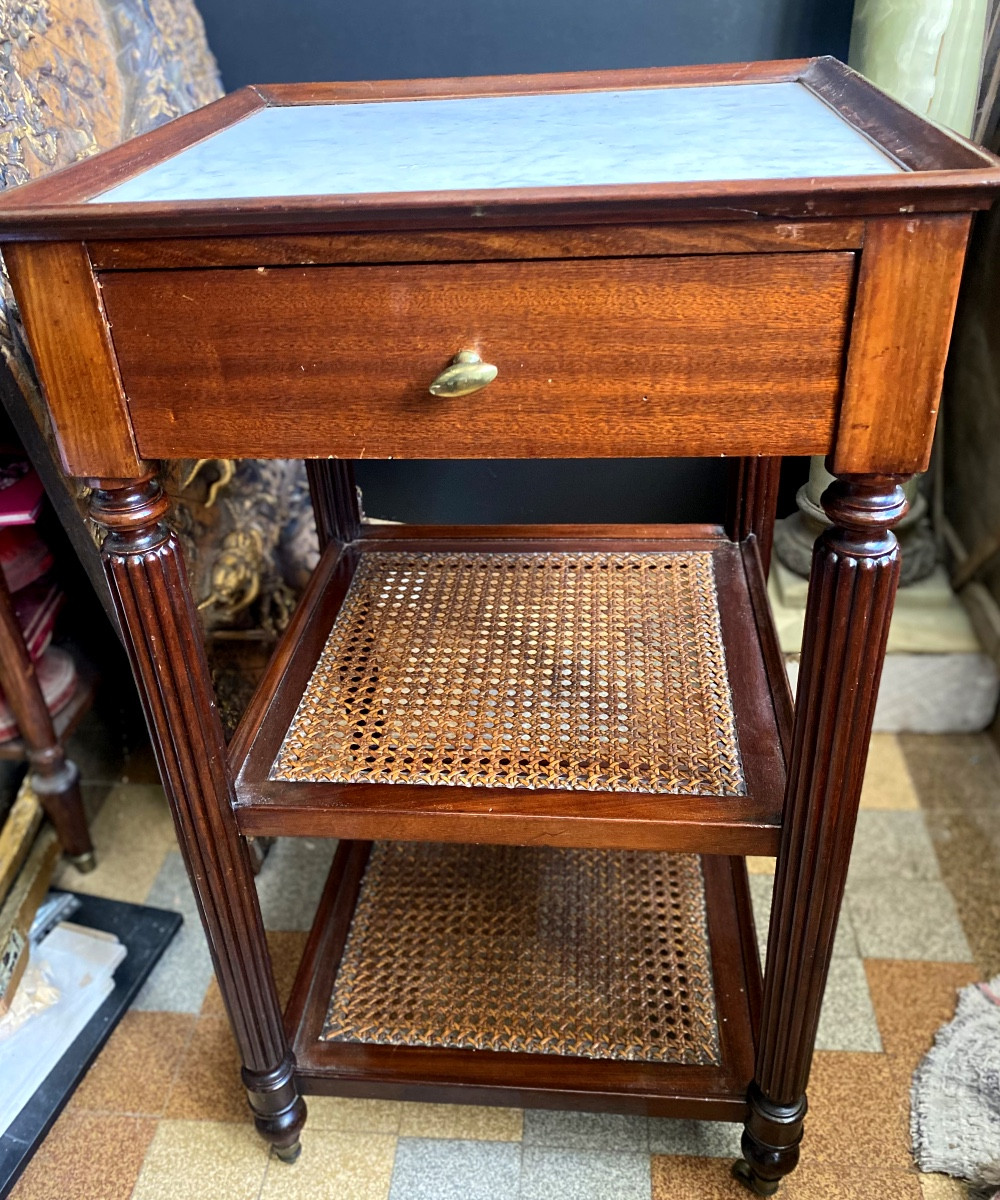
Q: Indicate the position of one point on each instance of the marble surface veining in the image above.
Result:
(654, 135)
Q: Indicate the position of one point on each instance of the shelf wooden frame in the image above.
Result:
(533, 1080)
(747, 824)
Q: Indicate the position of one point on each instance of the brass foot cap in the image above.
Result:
(288, 1154)
(743, 1172)
(84, 863)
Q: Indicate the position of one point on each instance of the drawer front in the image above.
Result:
(629, 357)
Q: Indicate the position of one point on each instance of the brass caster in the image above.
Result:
(743, 1173)
(288, 1154)
(84, 863)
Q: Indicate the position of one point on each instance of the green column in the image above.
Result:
(925, 53)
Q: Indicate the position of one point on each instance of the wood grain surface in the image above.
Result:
(732, 354)
(483, 245)
(531, 1080)
(61, 309)
(908, 284)
(942, 172)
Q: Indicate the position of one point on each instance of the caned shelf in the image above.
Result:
(515, 975)
(612, 688)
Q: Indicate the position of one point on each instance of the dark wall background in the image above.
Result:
(268, 41)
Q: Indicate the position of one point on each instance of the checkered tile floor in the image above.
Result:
(161, 1115)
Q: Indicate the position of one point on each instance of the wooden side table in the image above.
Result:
(545, 749)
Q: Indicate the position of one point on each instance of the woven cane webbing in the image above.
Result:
(588, 953)
(581, 671)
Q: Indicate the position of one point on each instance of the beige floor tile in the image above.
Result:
(203, 1160)
(958, 770)
(858, 1116)
(912, 1001)
(87, 1157)
(967, 845)
(333, 1166)
(135, 1071)
(760, 864)
(710, 1179)
(942, 1187)
(207, 1084)
(132, 834)
(353, 1116)
(463, 1121)
(888, 784)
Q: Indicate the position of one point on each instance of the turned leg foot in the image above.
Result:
(84, 863)
(745, 1174)
(278, 1109)
(770, 1142)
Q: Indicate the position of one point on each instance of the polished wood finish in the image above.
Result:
(747, 318)
(851, 591)
(536, 1081)
(618, 357)
(61, 308)
(900, 132)
(907, 291)
(100, 172)
(752, 503)
(334, 499)
(945, 173)
(55, 779)
(146, 573)
(415, 812)
(609, 241)
(691, 75)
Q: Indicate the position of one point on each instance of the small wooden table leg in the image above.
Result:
(851, 590)
(334, 499)
(753, 498)
(54, 778)
(146, 572)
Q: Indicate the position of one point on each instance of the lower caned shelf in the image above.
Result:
(606, 691)
(537, 976)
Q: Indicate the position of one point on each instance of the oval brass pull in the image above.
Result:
(467, 373)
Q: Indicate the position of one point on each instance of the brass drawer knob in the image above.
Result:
(467, 373)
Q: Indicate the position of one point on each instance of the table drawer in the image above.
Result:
(613, 357)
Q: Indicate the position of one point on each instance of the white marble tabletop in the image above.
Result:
(652, 135)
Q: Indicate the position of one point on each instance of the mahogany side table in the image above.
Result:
(545, 750)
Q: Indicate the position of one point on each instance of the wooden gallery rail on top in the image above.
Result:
(547, 749)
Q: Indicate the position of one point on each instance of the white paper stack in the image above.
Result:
(68, 978)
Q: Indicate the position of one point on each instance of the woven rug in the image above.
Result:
(955, 1109)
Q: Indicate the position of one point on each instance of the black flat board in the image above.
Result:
(146, 932)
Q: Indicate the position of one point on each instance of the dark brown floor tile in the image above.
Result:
(859, 1114)
(135, 1071)
(710, 1179)
(953, 770)
(286, 953)
(207, 1086)
(87, 1157)
(912, 1001)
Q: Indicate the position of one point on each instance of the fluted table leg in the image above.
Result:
(853, 582)
(146, 572)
